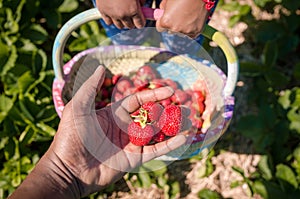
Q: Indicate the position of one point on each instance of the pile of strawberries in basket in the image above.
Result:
(154, 121)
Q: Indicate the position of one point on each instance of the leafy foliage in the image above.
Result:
(28, 119)
(273, 123)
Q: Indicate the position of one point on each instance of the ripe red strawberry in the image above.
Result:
(195, 118)
(179, 97)
(123, 84)
(129, 91)
(156, 83)
(171, 83)
(166, 102)
(147, 71)
(154, 111)
(115, 78)
(201, 107)
(140, 83)
(159, 137)
(144, 75)
(198, 95)
(117, 96)
(170, 121)
(107, 82)
(140, 135)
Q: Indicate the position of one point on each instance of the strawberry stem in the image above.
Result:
(141, 118)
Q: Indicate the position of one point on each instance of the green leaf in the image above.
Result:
(47, 114)
(286, 175)
(287, 46)
(25, 112)
(10, 62)
(47, 130)
(238, 170)
(156, 166)
(268, 190)
(4, 54)
(284, 99)
(235, 184)
(251, 126)
(296, 71)
(261, 3)
(88, 29)
(79, 44)
(270, 54)
(17, 116)
(26, 136)
(208, 194)
(244, 10)
(232, 6)
(9, 149)
(295, 97)
(5, 105)
(291, 5)
(264, 167)
(53, 18)
(35, 33)
(296, 154)
(175, 189)
(262, 33)
(295, 125)
(40, 62)
(25, 81)
(268, 115)
(11, 26)
(68, 6)
(251, 69)
(294, 117)
(276, 79)
(144, 178)
(233, 20)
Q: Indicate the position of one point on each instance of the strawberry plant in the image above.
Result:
(272, 122)
(28, 120)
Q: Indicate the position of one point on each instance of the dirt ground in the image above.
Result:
(236, 150)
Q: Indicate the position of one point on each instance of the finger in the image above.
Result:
(162, 5)
(159, 28)
(192, 35)
(133, 102)
(185, 111)
(121, 109)
(186, 124)
(139, 20)
(118, 23)
(142, 2)
(153, 151)
(107, 20)
(128, 23)
(85, 96)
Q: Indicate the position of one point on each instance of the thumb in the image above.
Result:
(162, 5)
(84, 98)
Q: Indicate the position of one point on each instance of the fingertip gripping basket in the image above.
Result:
(219, 103)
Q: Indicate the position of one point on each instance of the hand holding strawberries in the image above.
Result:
(90, 149)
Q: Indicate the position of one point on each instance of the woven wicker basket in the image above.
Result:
(187, 70)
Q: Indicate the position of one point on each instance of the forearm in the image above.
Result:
(49, 179)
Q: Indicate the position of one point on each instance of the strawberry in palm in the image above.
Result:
(143, 127)
(140, 134)
(170, 121)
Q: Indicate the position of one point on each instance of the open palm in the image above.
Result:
(94, 144)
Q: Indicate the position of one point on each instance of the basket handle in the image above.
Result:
(152, 14)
